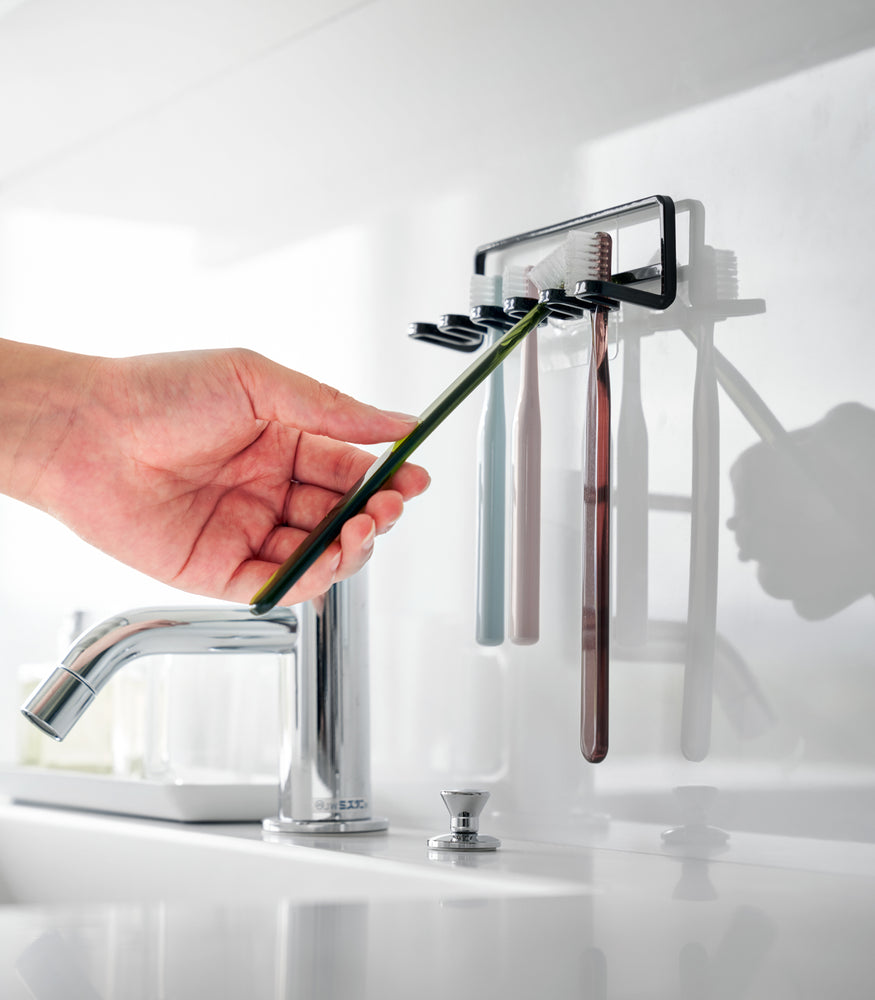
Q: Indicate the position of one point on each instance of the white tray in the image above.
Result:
(192, 802)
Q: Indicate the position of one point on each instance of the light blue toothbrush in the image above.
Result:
(492, 444)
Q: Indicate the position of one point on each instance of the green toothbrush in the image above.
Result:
(388, 464)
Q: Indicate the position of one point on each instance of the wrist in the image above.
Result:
(41, 390)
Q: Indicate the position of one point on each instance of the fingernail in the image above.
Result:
(407, 418)
(368, 541)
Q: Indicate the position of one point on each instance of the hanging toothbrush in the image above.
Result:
(587, 257)
(525, 563)
(597, 535)
(486, 311)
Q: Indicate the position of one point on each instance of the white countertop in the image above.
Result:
(106, 906)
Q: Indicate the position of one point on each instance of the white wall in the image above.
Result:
(778, 149)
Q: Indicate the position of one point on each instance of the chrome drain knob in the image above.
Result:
(464, 808)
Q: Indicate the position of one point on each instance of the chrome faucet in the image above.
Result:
(324, 758)
(325, 764)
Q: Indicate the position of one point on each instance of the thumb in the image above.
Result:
(296, 400)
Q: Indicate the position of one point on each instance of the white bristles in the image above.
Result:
(517, 284)
(550, 272)
(485, 290)
(587, 257)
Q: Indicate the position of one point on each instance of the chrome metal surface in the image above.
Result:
(309, 826)
(59, 702)
(325, 783)
(325, 752)
(464, 808)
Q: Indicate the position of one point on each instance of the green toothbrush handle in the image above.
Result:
(388, 464)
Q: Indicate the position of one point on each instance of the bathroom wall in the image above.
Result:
(312, 197)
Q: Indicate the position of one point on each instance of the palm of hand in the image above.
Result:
(183, 473)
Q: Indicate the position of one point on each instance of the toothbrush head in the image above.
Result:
(520, 294)
(548, 276)
(587, 258)
(549, 273)
(485, 290)
(588, 269)
(517, 282)
(486, 302)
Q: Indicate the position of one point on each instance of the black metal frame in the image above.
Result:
(462, 333)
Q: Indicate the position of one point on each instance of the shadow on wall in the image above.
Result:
(708, 295)
(803, 502)
(803, 512)
(802, 498)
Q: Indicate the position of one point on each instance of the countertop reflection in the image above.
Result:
(633, 915)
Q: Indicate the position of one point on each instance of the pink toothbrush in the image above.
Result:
(525, 564)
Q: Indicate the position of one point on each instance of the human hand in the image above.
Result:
(206, 469)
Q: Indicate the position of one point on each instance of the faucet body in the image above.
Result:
(325, 784)
(324, 776)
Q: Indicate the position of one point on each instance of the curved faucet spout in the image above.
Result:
(61, 699)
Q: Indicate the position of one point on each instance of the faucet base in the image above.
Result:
(275, 824)
(463, 842)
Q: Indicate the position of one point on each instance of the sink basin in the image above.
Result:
(107, 906)
(50, 856)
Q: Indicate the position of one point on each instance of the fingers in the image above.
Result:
(324, 468)
(252, 576)
(293, 399)
(341, 559)
(332, 465)
(307, 506)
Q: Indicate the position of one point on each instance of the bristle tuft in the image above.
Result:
(588, 258)
(517, 283)
(550, 272)
(485, 290)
